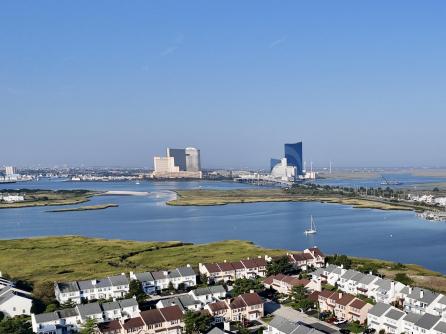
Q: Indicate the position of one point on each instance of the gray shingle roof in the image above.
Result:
(442, 300)
(46, 317)
(384, 284)
(367, 279)
(394, 314)
(86, 310)
(144, 277)
(217, 289)
(358, 277)
(68, 312)
(441, 327)
(68, 287)
(318, 272)
(379, 309)
(119, 280)
(216, 330)
(130, 302)
(182, 301)
(412, 317)
(349, 274)
(110, 306)
(100, 283)
(423, 295)
(186, 271)
(427, 321)
(283, 325)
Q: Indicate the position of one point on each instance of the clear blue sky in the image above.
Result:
(362, 83)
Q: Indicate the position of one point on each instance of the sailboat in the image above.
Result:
(312, 229)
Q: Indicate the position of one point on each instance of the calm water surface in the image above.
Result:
(393, 235)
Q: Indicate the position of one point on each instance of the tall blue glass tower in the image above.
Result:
(293, 155)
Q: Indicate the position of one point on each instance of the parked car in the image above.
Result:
(339, 322)
(344, 331)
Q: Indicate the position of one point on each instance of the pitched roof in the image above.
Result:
(412, 317)
(183, 302)
(171, 313)
(349, 274)
(133, 323)
(118, 280)
(225, 266)
(152, 317)
(357, 303)
(251, 299)
(216, 330)
(108, 326)
(345, 299)
(441, 327)
(427, 321)
(46, 317)
(144, 277)
(379, 309)
(86, 310)
(130, 302)
(394, 314)
(212, 267)
(317, 251)
(423, 295)
(218, 306)
(67, 287)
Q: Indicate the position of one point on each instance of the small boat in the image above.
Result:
(137, 182)
(312, 229)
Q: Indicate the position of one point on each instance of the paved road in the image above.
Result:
(293, 315)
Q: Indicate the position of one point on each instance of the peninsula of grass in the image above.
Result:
(48, 197)
(49, 259)
(87, 208)
(205, 197)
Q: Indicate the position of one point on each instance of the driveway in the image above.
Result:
(293, 315)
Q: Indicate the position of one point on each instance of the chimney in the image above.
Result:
(340, 295)
(371, 272)
(123, 274)
(93, 281)
(259, 257)
(392, 285)
(165, 273)
(421, 293)
(342, 266)
(251, 291)
(131, 274)
(224, 261)
(188, 265)
(248, 258)
(410, 289)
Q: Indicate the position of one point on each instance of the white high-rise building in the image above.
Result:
(165, 165)
(9, 171)
(193, 159)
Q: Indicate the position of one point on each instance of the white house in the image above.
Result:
(147, 281)
(108, 288)
(386, 317)
(209, 294)
(15, 302)
(71, 320)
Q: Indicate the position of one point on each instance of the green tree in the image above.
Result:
(170, 287)
(339, 260)
(279, 266)
(16, 325)
(355, 327)
(244, 285)
(299, 297)
(197, 322)
(89, 326)
(136, 290)
(403, 278)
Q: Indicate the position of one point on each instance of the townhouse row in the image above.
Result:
(247, 306)
(114, 287)
(412, 299)
(395, 321)
(168, 320)
(72, 319)
(284, 284)
(280, 325)
(256, 267)
(343, 305)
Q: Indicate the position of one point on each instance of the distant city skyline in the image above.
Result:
(113, 84)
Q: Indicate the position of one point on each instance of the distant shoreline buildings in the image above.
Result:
(178, 163)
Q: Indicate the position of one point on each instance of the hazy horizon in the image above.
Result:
(115, 83)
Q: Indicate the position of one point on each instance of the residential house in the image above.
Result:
(230, 271)
(182, 276)
(184, 302)
(280, 325)
(310, 257)
(343, 305)
(147, 281)
(160, 321)
(385, 291)
(167, 320)
(209, 294)
(248, 306)
(284, 284)
(386, 317)
(70, 320)
(15, 302)
(107, 288)
(418, 300)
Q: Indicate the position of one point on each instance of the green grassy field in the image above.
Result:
(73, 258)
(87, 208)
(50, 259)
(49, 197)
